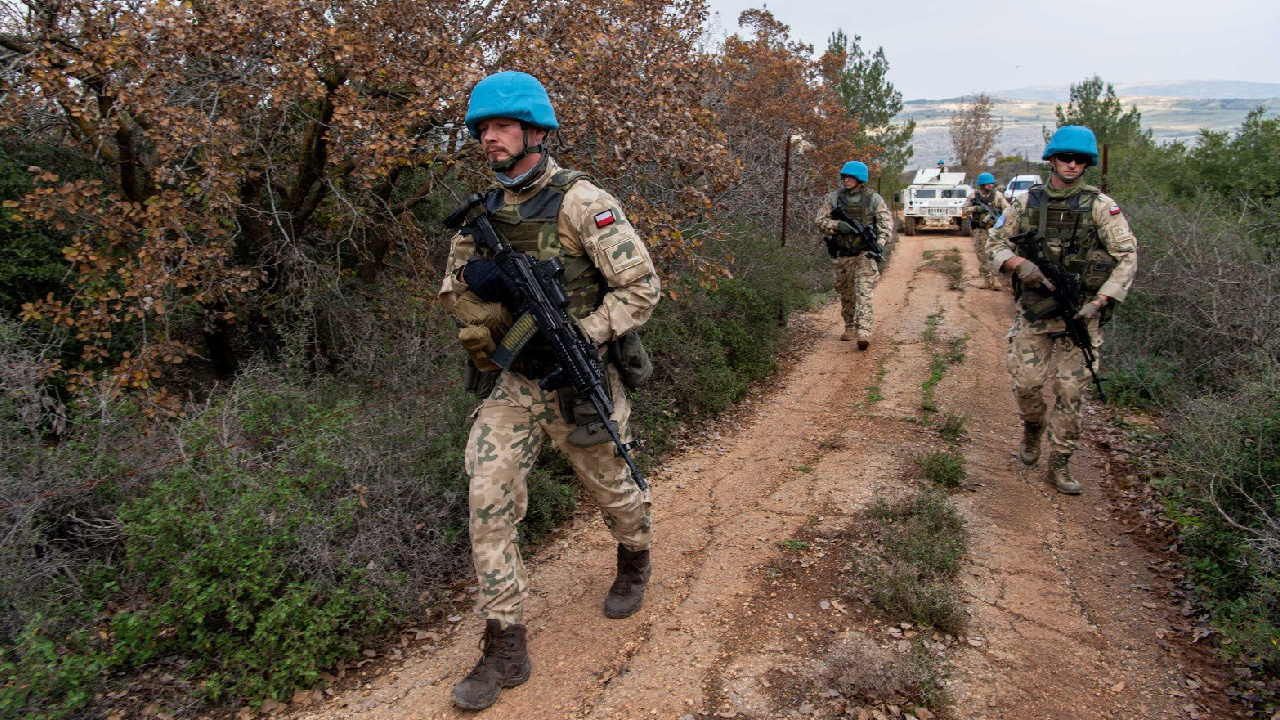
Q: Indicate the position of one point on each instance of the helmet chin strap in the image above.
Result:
(503, 166)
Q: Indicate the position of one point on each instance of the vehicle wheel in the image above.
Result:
(909, 226)
(966, 226)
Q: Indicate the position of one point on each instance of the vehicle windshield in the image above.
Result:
(926, 194)
(1020, 184)
(956, 193)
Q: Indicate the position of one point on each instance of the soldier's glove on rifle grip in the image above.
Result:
(1089, 310)
(1031, 276)
(844, 228)
(489, 282)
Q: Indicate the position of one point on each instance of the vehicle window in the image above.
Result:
(926, 194)
(956, 193)
(1020, 185)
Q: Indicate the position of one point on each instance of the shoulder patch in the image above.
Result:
(605, 219)
(1115, 209)
(1000, 221)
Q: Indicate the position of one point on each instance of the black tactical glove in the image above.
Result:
(844, 228)
(487, 280)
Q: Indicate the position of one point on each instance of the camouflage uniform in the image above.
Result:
(1031, 351)
(512, 423)
(857, 275)
(981, 224)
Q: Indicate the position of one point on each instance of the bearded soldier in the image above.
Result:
(1085, 234)
(544, 211)
(982, 221)
(857, 273)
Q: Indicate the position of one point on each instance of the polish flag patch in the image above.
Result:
(607, 218)
(1115, 209)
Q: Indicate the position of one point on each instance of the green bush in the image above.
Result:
(1225, 493)
(944, 468)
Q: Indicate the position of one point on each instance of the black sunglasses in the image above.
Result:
(1077, 158)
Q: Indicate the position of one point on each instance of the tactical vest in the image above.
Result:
(851, 245)
(990, 202)
(1069, 236)
(863, 213)
(531, 228)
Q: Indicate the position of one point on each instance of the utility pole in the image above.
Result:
(786, 180)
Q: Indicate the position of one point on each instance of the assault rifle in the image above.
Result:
(542, 301)
(864, 232)
(1064, 301)
(991, 213)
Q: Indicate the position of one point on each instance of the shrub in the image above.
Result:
(944, 468)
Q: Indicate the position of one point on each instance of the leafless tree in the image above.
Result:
(974, 133)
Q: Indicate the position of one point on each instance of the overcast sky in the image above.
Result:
(946, 48)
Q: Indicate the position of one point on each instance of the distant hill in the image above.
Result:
(1168, 117)
(1191, 89)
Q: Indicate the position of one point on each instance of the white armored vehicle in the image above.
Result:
(935, 199)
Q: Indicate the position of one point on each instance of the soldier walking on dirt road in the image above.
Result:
(1082, 232)
(983, 221)
(545, 211)
(857, 273)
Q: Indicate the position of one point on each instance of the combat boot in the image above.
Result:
(1060, 474)
(504, 663)
(864, 339)
(627, 592)
(1029, 453)
(848, 334)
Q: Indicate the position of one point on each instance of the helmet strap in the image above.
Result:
(502, 166)
(520, 182)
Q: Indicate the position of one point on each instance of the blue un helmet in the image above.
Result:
(855, 169)
(510, 94)
(1073, 139)
(985, 179)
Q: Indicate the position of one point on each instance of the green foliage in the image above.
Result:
(864, 87)
(1244, 164)
(1095, 105)
(31, 264)
(951, 426)
(944, 468)
(1225, 461)
(43, 666)
(924, 540)
(709, 343)
(214, 546)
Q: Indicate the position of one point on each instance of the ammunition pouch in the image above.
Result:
(634, 365)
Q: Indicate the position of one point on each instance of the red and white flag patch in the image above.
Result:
(605, 219)
(1115, 209)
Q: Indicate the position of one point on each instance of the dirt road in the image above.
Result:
(1068, 615)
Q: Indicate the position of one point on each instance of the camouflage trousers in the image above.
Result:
(509, 430)
(984, 263)
(856, 280)
(1033, 355)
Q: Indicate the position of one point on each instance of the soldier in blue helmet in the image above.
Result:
(857, 273)
(1084, 231)
(546, 211)
(985, 195)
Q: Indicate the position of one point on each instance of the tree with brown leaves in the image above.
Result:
(251, 157)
